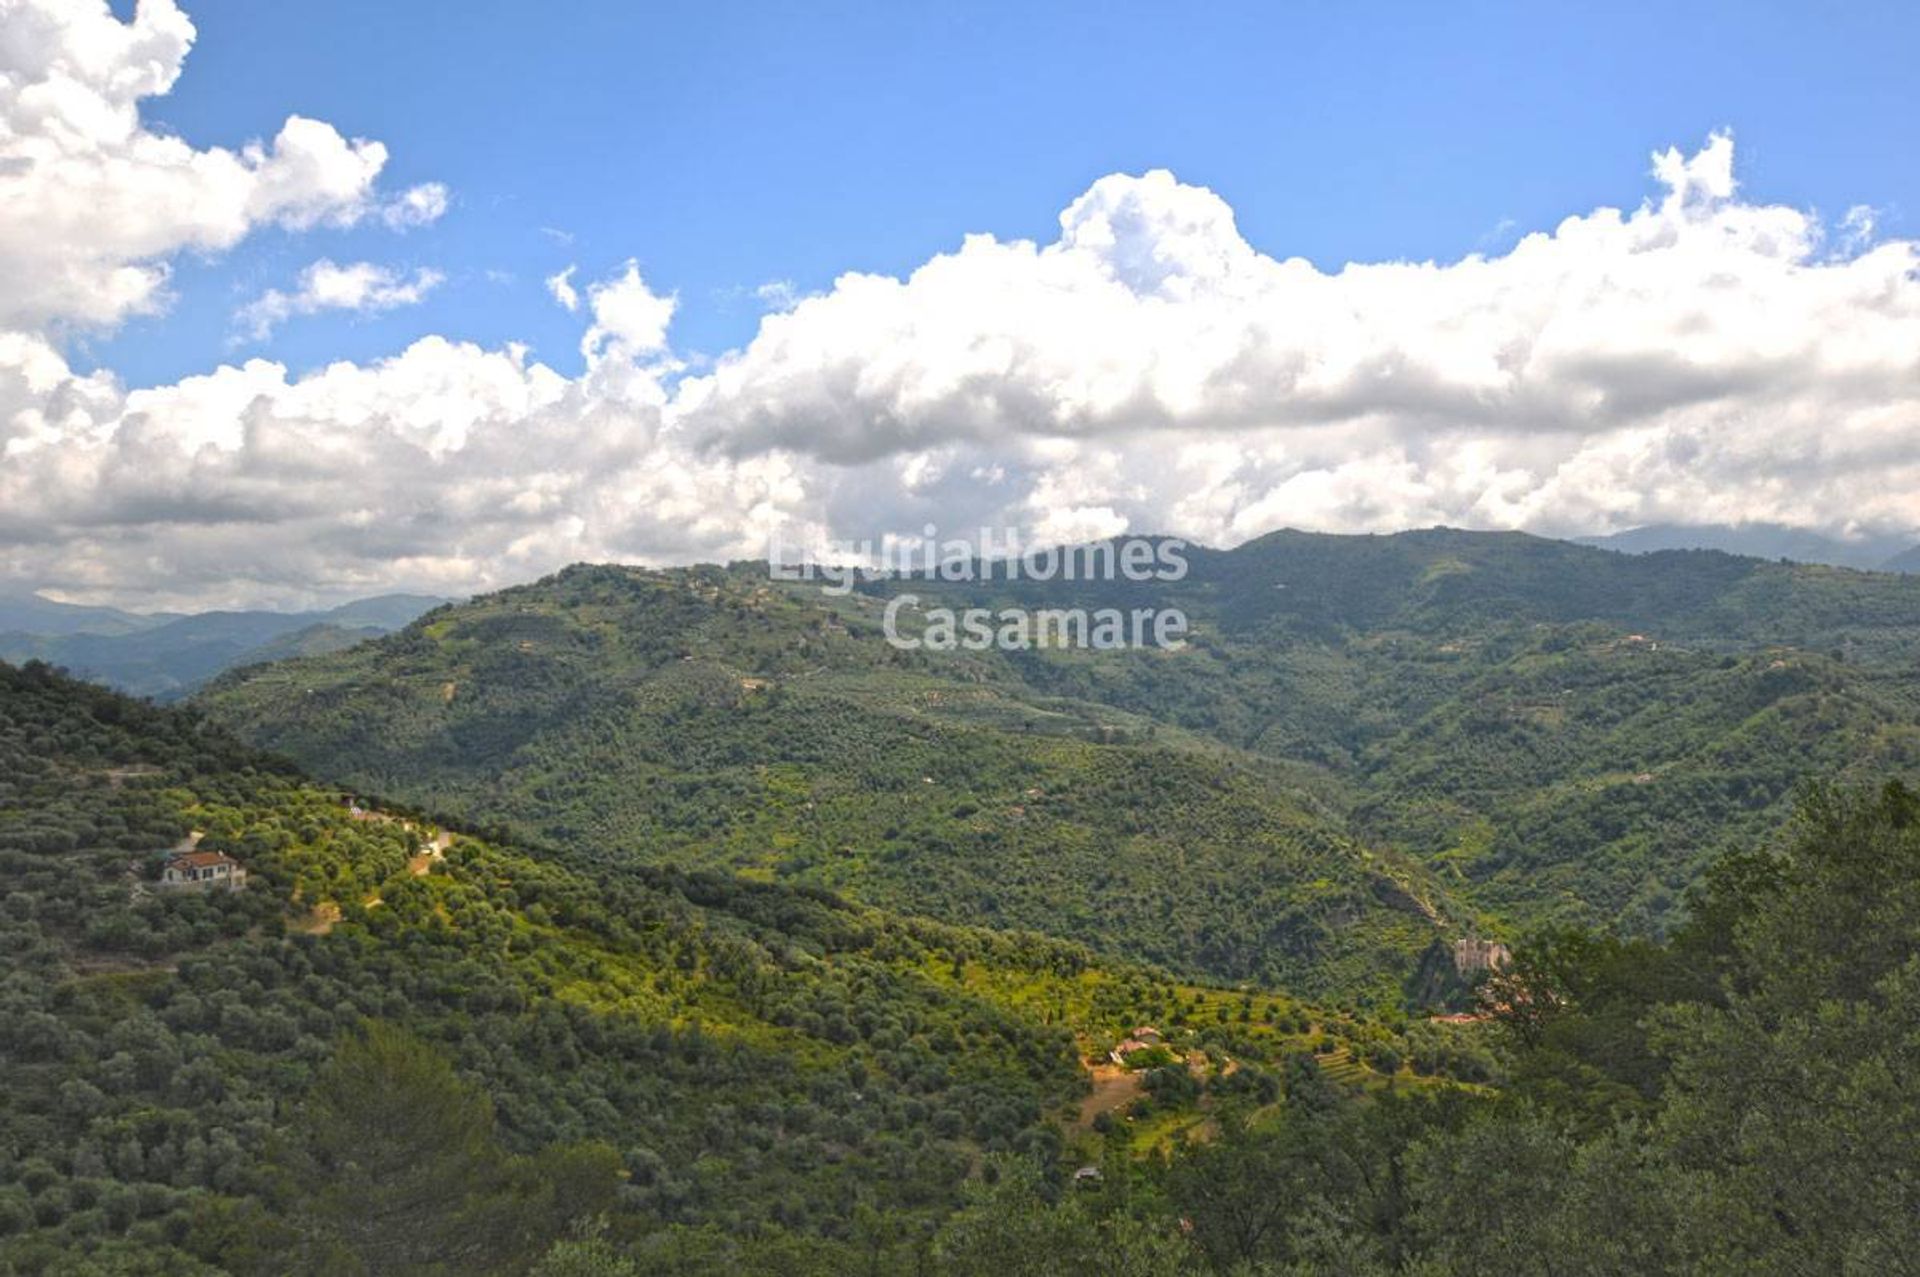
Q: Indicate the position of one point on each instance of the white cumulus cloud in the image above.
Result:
(361, 287)
(1701, 355)
(1697, 357)
(93, 202)
(419, 205)
(629, 318)
(561, 286)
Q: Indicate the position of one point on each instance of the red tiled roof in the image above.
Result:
(202, 859)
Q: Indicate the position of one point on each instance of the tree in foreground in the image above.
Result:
(393, 1167)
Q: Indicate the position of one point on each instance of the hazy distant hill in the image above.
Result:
(1768, 541)
(167, 656)
(381, 612)
(28, 613)
(1907, 561)
(314, 640)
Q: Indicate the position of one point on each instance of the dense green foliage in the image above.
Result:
(1369, 742)
(703, 718)
(1560, 733)
(380, 1059)
(580, 1060)
(1741, 1099)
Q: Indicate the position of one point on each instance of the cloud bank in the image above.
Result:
(1699, 356)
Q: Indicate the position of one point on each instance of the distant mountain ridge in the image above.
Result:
(168, 655)
(1883, 553)
(24, 612)
(1906, 561)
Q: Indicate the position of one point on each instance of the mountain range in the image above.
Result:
(166, 655)
(181, 651)
(1369, 746)
(633, 922)
(1868, 552)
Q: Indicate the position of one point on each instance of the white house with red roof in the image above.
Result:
(203, 871)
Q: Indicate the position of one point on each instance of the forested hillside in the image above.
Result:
(1368, 741)
(1559, 734)
(1740, 1100)
(407, 1049)
(704, 717)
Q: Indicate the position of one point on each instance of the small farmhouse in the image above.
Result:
(1144, 1038)
(203, 871)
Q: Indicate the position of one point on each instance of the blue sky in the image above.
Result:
(728, 145)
